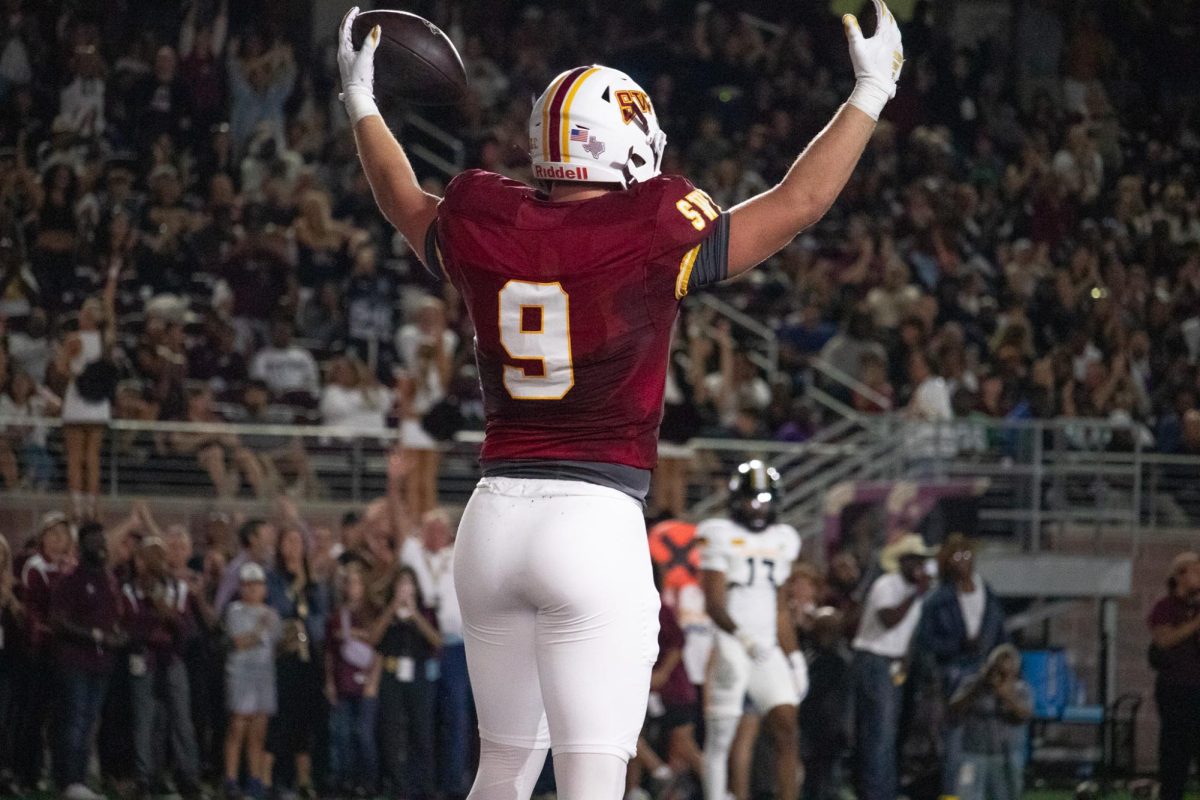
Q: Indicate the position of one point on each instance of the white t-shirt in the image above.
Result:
(971, 604)
(931, 403)
(32, 355)
(291, 369)
(435, 574)
(35, 408)
(755, 566)
(355, 408)
(888, 591)
(410, 338)
(754, 393)
(75, 408)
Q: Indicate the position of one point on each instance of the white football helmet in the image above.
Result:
(595, 124)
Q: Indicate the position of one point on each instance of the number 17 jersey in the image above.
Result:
(573, 305)
(755, 566)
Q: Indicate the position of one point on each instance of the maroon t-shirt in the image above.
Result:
(158, 635)
(1180, 664)
(573, 305)
(678, 690)
(89, 598)
(347, 678)
(39, 578)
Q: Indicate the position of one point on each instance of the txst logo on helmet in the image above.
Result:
(631, 102)
(561, 173)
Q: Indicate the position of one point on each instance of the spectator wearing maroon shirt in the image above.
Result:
(85, 616)
(40, 573)
(679, 699)
(1175, 654)
(672, 711)
(158, 607)
(11, 614)
(352, 675)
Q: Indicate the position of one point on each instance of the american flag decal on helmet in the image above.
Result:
(579, 135)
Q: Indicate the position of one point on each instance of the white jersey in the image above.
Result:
(755, 566)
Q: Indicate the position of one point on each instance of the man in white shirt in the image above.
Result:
(431, 557)
(889, 619)
(285, 368)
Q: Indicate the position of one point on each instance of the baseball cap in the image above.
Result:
(152, 541)
(1182, 561)
(50, 519)
(251, 573)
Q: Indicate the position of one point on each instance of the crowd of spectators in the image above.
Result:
(277, 658)
(181, 202)
(266, 656)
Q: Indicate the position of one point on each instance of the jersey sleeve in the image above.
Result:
(691, 239)
(470, 194)
(717, 553)
(793, 544)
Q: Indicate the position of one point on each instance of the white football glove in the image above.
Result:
(799, 673)
(753, 649)
(877, 61)
(358, 71)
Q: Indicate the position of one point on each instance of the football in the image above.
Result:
(416, 63)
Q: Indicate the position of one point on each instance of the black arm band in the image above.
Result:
(433, 253)
(712, 262)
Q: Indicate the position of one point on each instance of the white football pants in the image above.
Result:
(560, 615)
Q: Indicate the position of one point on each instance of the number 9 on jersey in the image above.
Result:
(535, 326)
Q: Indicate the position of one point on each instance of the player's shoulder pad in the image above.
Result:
(790, 535)
(786, 530)
(715, 530)
(477, 188)
(686, 215)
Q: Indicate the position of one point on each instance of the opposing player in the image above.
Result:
(745, 562)
(573, 290)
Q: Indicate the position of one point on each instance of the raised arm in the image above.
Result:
(397, 191)
(764, 224)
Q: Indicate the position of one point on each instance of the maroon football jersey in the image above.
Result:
(573, 305)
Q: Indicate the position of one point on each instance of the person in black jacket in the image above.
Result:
(409, 643)
(961, 623)
(825, 712)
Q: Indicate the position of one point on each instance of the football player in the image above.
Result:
(573, 287)
(745, 563)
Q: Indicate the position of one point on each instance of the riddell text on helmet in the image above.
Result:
(563, 173)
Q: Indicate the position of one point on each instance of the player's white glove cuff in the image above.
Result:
(357, 68)
(870, 98)
(877, 61)
(359, 104)
(799, 672)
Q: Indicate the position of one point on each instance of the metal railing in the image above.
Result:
(1040, 476)
(452, 156)
(763, 351)
(827, 374)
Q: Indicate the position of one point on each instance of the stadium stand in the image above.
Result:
(186, 237)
